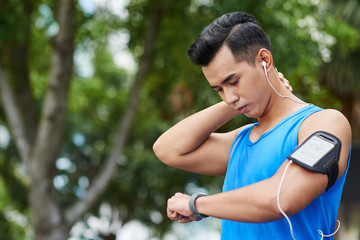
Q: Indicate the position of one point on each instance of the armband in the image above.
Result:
(193, 197)
(320, 153)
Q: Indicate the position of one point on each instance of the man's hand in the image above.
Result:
(178, 208)
(285, 81)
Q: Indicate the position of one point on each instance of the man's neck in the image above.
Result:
(278, 109)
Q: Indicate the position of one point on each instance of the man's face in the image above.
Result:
(241, 85)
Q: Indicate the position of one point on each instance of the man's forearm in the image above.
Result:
(255, 203)
(191, 132)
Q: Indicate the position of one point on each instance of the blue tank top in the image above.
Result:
(251, 162)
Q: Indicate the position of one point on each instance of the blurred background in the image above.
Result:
(87, 86)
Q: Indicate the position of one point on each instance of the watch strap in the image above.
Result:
(192, 200)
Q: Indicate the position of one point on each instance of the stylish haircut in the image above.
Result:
(238, 30)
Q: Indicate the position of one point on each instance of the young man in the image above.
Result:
(235, 56)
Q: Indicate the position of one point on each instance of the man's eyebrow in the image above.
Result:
(228, 78)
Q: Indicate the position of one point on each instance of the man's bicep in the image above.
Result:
(299, 188)
(332, 122)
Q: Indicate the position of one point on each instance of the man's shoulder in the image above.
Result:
(327, 116)
(329, 120)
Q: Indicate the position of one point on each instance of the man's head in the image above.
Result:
(239, 31)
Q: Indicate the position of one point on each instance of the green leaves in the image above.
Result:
(304, 34)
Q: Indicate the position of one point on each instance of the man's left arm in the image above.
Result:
(258, 202)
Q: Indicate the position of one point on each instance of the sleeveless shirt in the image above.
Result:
(251, 162)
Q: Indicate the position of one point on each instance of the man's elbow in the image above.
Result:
(158, 150)
(163, 153)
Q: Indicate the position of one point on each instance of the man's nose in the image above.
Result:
(230, 97)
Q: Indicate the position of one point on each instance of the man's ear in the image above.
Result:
(264, 55)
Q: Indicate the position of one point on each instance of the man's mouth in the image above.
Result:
(241, 109)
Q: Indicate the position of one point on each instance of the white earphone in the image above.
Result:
(264, 65)
(266, 75)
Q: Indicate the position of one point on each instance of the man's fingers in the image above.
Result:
(285, 81)
(173, 215)
(178, 217)
(178, 208)
(185, 220)
(287, 84)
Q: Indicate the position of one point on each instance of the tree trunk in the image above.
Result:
(47, 214)
(39, 144)
(15, 86)
(101, 181)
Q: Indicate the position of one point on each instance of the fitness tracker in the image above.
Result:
(193, 197)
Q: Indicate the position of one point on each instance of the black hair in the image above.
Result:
(238, 30)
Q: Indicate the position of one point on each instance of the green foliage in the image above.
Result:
(341, 74)
(9, 21)
(302, 34)
(13, 197)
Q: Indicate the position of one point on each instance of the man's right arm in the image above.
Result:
(193, 146)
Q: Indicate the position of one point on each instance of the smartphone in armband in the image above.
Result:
(320, 153)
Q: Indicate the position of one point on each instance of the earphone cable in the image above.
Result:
(278, 200)
(266, 75)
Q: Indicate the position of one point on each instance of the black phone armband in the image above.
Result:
(320, 153)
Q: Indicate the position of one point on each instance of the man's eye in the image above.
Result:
(234, 82)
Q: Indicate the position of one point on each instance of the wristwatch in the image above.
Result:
(193, 197)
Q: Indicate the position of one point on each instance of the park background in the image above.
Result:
(87, 87)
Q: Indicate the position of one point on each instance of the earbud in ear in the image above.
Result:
(264, 65)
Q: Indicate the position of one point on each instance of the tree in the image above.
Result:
(39, 142)
(82, 127)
